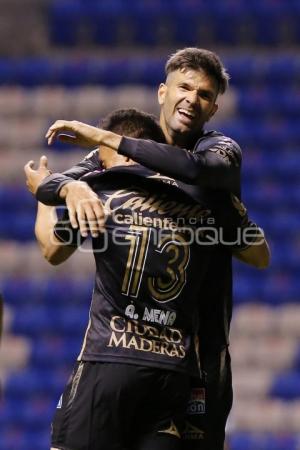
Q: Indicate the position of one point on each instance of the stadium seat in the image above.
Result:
(19, 438)
(34, 383)
(286, 386)
(64, 21)
(262, 441)
(41, 320)
(55, 351)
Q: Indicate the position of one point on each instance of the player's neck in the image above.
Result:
(183, 140)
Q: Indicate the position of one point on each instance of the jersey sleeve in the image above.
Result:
(214, 163)
(65, 233)
(48, 191)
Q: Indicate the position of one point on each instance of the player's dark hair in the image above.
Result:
(199, 59)
(133, 123)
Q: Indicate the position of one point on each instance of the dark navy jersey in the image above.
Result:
(213, 165)
(151, 266)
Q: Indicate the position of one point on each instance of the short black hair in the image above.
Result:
(133, 123)
(199, 59)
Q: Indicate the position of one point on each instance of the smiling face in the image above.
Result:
(188, 100)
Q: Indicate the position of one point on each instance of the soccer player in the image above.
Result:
(202, 161)
(142, 325)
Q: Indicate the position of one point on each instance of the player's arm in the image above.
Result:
(84, 206)
(48, 189)
(54, 250)
(250, 246)
(257, 253)
(85, 209)
(216, 166)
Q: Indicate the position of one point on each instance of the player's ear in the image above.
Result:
(161, 93)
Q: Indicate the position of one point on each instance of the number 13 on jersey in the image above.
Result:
(166, 286)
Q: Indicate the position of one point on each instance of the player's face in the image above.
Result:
(188, 100)
(110, 158)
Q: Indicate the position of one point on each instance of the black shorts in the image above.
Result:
(210, 404)
(108, 406)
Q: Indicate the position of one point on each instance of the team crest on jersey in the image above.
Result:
(171, 430)
(196, 403)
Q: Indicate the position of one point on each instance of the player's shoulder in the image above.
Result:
(217, 140)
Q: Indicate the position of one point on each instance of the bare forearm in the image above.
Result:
(257, 254)
(45, 219)
(109, 139)
(54, 251)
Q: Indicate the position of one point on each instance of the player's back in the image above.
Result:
(151, 266)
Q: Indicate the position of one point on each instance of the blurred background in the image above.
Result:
(80, 59)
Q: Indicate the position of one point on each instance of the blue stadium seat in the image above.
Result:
(17, 438)
(7, 74)
(34, 321)
(192, 24)
(285, 256)
(149, 73)
(259, 72)
(283, 132)
(243, 70)
(41, 320)
(32, 414)
(68, 292)
(267, 29)
(286, 386)
(17, 226)
(55, 351)
(283, 69)
(34, 72)
(72, 321)
(273, 287)
(260, 101)
(22, 292)
(251, 71)
(15, 197)
(234, 27)
(241, 441)
(64, 21)
(244, 289)
(33, 383)
(280, 287)
(263, 441)
(233, 22)
(26, 292)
